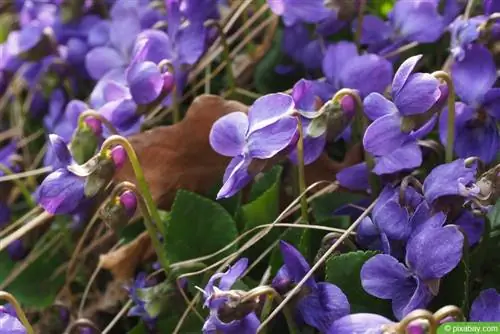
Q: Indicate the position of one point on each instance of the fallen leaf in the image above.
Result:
(123, 261)
(180, 156)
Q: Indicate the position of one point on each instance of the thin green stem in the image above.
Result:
(273, 294)
(450, 137)
(22, 186)
(148, 222)
(301, 171)
(150, 206)
(19, 311)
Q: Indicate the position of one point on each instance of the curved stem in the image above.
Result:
(19, 311)
(449, 311)
(139, 175)
(81, 323)
(273, 294)
(417, 315)
(301, 171)
(96, 115)
(148, 222)
(22, 187)
(176, 114)
(450, 138)
(362, 124)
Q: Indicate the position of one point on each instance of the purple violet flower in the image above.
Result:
(269, 128)
(491, 6)
(343, 67)
(359, 323)
(463, 33)
(296, 11)
(9, 322)
(216, 296)
(451, 179)
(412, 94)
(486, 307)
(479, 110)
(430, 255)
(139, 308)
(324, 303)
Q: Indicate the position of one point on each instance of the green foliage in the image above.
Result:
(344, 271)
(324, 206)
(34, 287)
(197, 227)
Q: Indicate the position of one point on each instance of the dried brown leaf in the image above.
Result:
(123, 261)
(180, 156)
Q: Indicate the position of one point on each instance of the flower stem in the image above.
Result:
(271, 294)
(361, 123)
(21, 185)
(450, 138)
(19, 311)
(301, 171)
(148, 222)
(96, 115)
(139, 175)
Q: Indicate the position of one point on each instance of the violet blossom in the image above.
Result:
(486, 307)
(9, 323)
(269, 128)
(217, 296)
(430, 255)
(324, 302)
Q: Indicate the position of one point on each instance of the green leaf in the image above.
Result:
(197, 227)
(324, 206)
(263, 207)
(34, 286)
(344, 271)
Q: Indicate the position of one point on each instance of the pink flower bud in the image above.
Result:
(95, 125)
(119, 155)
(348, 105)
(129, 202)
(168, 81)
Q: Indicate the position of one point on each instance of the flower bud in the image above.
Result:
(129, 202)
(16, 250)
(119, 156)
(168, 82)
(348, 105)
(95, 125)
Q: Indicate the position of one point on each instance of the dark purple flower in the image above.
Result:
(354, 177)
(129, 201)
(359, 323)
(268, 129)
(470, 224)
(217, 295)
(343, 67)
(476, 115)
(430, 255)
(486, 307)
(16, 250)
(9, 322)
(297, 11)
(324, 302)
(302, 48)
(61, 192)
(412, 94)
(491, 6)
(139, 308)
(451, 179)
(369, 236)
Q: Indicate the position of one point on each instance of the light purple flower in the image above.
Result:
(360, 323)
(268, 129)
(215, 298)
(430, 255)
(297, 11)
(9, 323)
